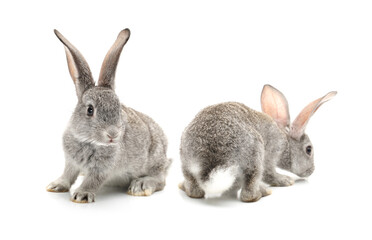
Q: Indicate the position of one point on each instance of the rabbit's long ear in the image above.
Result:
(299, 124)
(108, 69)
(78, 67)
(275, 105)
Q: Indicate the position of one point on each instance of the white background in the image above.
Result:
(181, 57)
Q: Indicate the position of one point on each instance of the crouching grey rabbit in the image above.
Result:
(229, 146)
(106, 141)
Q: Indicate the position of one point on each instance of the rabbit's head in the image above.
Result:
(300, 157)
(98, 117)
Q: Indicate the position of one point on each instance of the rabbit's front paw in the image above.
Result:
(82, 197)
(282, 181)
(250, 196)
(141, 187)
(58, 187)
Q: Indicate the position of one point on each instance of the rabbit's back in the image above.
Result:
(221, 132)
(220, 146)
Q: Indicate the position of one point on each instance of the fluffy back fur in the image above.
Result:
(232, 136)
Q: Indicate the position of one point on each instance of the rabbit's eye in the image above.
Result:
(90, 111)
(308, 150)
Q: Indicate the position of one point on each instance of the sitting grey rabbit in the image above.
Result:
(106, 141)
(229, 146)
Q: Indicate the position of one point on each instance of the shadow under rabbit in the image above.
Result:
(105, 193)
(231, 197)
(225, 200)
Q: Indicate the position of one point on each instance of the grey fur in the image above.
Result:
(117, 145)
(232, 136)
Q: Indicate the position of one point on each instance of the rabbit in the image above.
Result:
(107, 142)
(229, 146)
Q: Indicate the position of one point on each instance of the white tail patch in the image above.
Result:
(220, 180)
(194, 169)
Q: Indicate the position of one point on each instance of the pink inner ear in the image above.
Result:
(299, 124)
(71, 65)
(275, 105)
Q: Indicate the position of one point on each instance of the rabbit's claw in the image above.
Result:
(141, 187)
(83, 197)
(57, 188)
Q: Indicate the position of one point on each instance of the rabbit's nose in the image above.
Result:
(112, 133)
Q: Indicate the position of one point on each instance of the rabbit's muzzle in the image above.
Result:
(112, 134)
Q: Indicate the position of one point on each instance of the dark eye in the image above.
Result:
(90, 111)
(308, 150)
